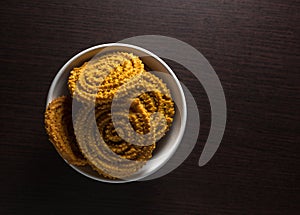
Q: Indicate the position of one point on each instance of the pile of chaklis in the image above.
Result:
(95, 125)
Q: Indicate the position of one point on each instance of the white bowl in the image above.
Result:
(167, 146)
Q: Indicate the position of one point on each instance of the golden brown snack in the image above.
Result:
(147, 95)
(58, 124)
(106, 139)
(104, 149)
(99, 79)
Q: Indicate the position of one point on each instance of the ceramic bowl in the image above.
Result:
(167, 146)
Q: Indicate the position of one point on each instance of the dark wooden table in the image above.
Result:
(253, 47)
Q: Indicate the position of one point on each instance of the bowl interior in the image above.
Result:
(169, 143)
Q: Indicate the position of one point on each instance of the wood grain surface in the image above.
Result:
(253, 47)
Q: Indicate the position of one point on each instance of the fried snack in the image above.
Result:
(106, 152)
(112, 140)
(58, 124)
(153, 96)
(98, 80)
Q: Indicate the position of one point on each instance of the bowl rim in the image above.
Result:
(183, 113)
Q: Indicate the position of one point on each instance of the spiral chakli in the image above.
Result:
(147, 95)
(58, 124)
(106, 152)
(98, 80)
